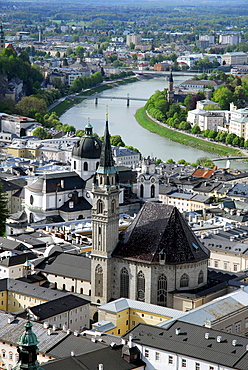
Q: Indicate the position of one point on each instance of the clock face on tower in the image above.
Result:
(142, 179)
(153, 180)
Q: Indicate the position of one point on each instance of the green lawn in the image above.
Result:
(208, 146)
(64, 105)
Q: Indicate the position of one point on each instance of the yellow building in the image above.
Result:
(21, 151)
(17, 295)
(123, 314)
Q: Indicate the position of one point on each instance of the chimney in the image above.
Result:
(177, 331)
(242, 287)
(130, 344)
(234, 342)
(206, 335)
(219, 338)
(46, 325)
(100, 367)
(72, 353)
(49, 331)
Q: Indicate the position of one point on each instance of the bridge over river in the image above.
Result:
(111, 97)
(229, 159)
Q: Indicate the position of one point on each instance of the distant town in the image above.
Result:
(109, 258)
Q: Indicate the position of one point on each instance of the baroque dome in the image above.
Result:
(88, 147)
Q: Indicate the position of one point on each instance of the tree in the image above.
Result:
(116, 140)
(3, 210)
(223, 96)
(195, 130)
(230, 137)
(41, 133)
(170, 160)
(30, 105)
(79, 51)
(205, 162)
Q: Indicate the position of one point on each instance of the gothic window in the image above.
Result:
(101, 180)
(98, 281)
(184, 281)
(99, 206)
(85, 166)
(75, 165)
(124, 286)
(162, 290)
(152, 191)
(141, 190)
(113, 206)
(200, 277)
(140, 286)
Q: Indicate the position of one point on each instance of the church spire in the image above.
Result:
(106, 165)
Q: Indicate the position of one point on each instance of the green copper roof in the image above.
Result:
(106, 159)
(28, 338)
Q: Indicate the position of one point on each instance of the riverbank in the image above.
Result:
(183, 138)
(68, 102)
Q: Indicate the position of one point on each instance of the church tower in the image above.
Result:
(148, 181)
(28, 350)
(105, 222)
(170, 92)
(2, 38)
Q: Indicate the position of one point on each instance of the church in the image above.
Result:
(155, 256)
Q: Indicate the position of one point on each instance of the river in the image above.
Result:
(122, 121)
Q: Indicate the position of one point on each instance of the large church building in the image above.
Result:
(154, 257)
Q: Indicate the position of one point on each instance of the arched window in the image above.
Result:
(200, 277)
(97, 164)
(141, 190)
(31, 200)
(99, 206)
(140, 286)
(11, 355)
(31, 218)
(162, 290)
(113, 206)
(184, 281)
(99, 281)
(124, 286)
(75, 165)
(152, 191)
(85, 166)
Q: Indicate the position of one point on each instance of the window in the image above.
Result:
(119, 331)
(146, 353)
(216, 264)
(157, 356)
(3, 353)
(229, 329)
(238, 327)
(10, 355)
(235, 267)
(140, 286)
(200, 277)
(99, 206)
(197, 366)
(162, 290)
(124, 286)
(85, 166)
(99, 281)
(113, 206)
(225, 265)
(184, 363)
(133, 323)
(211, 368)
(170, 360)
(184, 281)
(152, 191)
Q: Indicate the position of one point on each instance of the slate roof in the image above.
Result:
(57, 306)
(50, 183)
(65, 264)
(81, 205)
(10, 333)
(160, 229)
(191, 342)
(31, 290)
(111, 358)
(17, 260)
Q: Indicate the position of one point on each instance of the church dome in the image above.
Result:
(88, 147)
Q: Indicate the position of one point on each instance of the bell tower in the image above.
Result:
(105, 222)
(28, 350)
